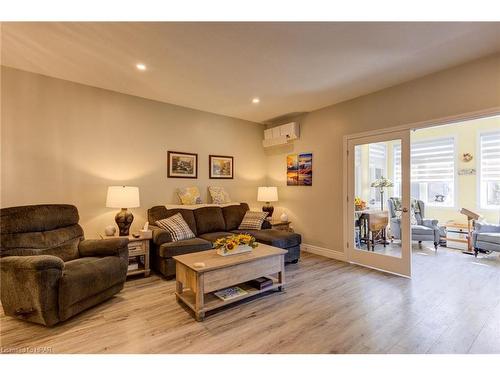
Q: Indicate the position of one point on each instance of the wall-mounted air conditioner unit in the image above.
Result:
(281, 135)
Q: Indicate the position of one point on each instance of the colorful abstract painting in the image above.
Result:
(299, 169)
(292, 170)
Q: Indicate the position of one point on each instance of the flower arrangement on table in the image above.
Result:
(380, 184)
(235, 244)
(359, 204)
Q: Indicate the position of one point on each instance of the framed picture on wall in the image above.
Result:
(299, 169)
(220, 167)
(182, 165)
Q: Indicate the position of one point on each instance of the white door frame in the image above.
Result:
(493, 111)
(392, 264)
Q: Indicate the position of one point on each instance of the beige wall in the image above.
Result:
(317, 210)
(65, 143)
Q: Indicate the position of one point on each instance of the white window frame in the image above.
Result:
(358, 160)
(455, 169)
(397, 183)
(479, 168)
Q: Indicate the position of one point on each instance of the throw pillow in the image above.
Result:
(219, 195)
(177, 227)
(413, 217)
(189, 195)
(252, 220)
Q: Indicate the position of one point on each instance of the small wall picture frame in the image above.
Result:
(182, 165)
(221, 167)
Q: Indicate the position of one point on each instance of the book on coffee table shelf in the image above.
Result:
(230, 293)
(261, 282)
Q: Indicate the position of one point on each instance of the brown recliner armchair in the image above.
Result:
(49, 272)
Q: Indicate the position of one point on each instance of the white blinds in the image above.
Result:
(433, 160)
(377, 153)
(490, 156)
(396, 149)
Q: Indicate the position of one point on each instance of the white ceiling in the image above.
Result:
(220, 67)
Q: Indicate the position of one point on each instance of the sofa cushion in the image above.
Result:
(189, 195)
(177, 227)
(193, 245)
(274, 237)
(85, 277)
(489, 237)
(233, 215)
(420, 229)
(253, 220)
(188, 216)
(209, 219)
(37, 218)
(219, 195)
(60, 242)
(215, 235)
(157, 213)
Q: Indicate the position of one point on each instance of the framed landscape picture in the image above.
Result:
(182, 165)
(220, 167)
(299, 169)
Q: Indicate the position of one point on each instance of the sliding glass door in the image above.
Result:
(378, 201)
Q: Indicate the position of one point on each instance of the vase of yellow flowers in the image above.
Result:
(235, 244)
(359, 204)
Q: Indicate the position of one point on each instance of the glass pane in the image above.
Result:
(377, 189)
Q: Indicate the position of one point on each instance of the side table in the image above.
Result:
(281, 225)
(138, 249)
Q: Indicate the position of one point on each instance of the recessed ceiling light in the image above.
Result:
(255, 100)
(140, 66)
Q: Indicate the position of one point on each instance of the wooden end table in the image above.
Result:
(280, 225)
(138, 247)
(194, 285)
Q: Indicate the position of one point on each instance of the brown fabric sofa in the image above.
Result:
(48, 271)
(208, 224)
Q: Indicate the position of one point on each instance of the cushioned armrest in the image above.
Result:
(104, 247)
(487, 228)
(431, 223)
(32, 262)
(161, 236)
(30, 287)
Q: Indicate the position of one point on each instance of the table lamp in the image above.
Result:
(267, 194)
(123, 197)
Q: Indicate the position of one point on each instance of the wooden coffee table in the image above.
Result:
(194, 285)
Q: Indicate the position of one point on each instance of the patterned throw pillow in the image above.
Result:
(253, 220)
(413, 218)
(219, 195)
(177, 227)
(189, 195)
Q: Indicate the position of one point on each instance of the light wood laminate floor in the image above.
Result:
(452, 305)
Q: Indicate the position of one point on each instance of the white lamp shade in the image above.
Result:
(267, 194)
(122, 197)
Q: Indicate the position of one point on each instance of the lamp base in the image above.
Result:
(124, 220)
(269, 209)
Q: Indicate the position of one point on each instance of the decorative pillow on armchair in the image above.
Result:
(253, 220)
(413, 210)
(219, 195)
(189, 195)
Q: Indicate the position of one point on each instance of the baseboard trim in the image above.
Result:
(328, 253)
